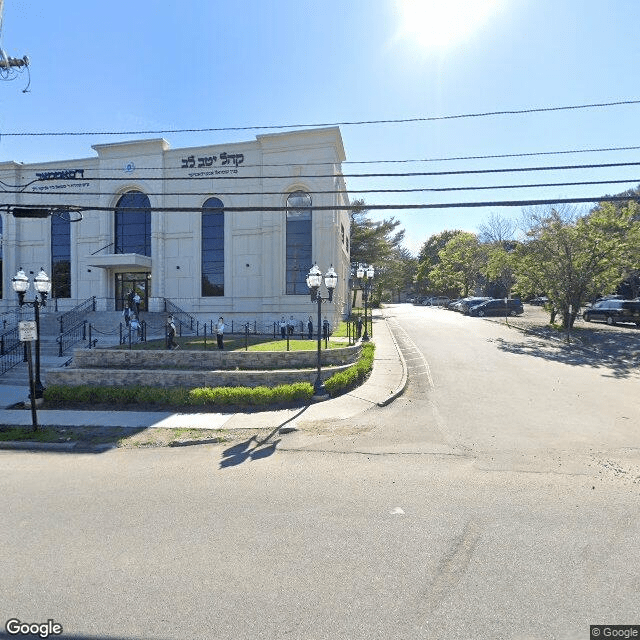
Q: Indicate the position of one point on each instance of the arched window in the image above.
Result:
(213, 248)
(133, 224)
(60, 257)
(298, 261)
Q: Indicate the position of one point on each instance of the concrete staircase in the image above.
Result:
(105, 332)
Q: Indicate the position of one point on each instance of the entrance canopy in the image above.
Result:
(121, 261)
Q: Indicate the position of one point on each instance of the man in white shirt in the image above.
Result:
(220, 332)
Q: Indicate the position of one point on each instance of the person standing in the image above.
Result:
(310, 328)
(283, 328)
(171, 334)
(135, 326)
(136, 302)
(220, 332)
(291, 325)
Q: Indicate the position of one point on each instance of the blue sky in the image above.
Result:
(143, 65)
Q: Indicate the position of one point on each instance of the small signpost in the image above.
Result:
(27, 329)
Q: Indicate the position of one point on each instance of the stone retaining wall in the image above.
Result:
(119, 368)
(171, 378)
(211, 360)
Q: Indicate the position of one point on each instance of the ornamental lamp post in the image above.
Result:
(314, 280)
(42, 284)
(365, 275)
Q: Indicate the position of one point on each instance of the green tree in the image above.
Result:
(376, 243)
(500, 268)
(460, 266)
(573, 258)
(372, 242)
(630, 284)
(429, 258)
(400, 273)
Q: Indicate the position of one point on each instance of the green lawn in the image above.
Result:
(237, 343)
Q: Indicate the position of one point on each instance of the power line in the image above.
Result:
(352, 191)
(368, 207)
(495, 156)
(597, 105)
(411, 174)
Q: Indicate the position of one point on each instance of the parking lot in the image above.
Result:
(617, 341)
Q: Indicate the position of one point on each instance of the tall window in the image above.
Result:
(133, 224)
(60, 257)
(213, 248)
(298, 242)
(1, 271)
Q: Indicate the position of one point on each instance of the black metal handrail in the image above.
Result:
(71, 337)
(72, 318)
(9, 318)
(11, 350)
(184, 318)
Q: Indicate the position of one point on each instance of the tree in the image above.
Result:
(497, 230)
(400, 272)
(500, 269)
(375, 243)
(372, 242)
(630, 284)
(460, 265)
(429, 257)
(572, 258)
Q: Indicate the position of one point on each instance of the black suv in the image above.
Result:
(614, 311)
(498, 307)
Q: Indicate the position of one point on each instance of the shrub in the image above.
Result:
(354, 375)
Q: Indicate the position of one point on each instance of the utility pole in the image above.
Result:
(8, 65)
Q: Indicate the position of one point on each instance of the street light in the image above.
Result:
(42, 285)
(365, 275)
(314, 280)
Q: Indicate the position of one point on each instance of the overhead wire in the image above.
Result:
(350, 207)
(410, 174)
(365, 191)
(495, 156)
(483, 114)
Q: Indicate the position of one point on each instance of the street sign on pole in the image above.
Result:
(28, 331)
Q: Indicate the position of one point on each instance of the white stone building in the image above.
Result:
(227, 230)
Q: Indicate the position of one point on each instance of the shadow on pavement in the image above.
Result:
(618, 359)
(254, 448)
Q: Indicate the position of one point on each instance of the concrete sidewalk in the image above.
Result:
(386, 382)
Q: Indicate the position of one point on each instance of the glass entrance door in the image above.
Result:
(138, 282)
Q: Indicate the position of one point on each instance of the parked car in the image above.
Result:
(468, 304)
(498, 307)
(613, 311)
(436, 301)
(539, 301)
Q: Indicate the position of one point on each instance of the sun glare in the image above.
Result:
(439, 24)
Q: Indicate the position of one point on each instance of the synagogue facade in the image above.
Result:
(225, 230)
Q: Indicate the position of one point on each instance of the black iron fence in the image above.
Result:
(11, 350)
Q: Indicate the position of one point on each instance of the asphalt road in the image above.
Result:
(435, 517)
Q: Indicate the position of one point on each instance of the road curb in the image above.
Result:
(27, 445)
(405, 375)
